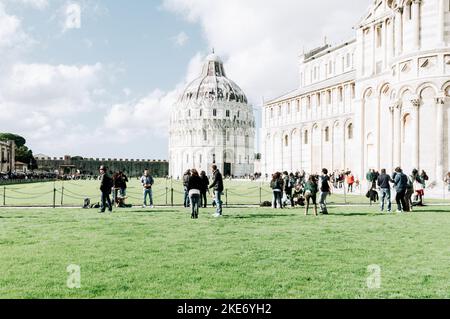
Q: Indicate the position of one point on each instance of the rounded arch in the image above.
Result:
(424, 86)
(367, 93)
(445, 87)
(405, 89)
(384, 88)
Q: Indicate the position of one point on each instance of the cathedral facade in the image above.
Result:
(212, 123)
(380, 100)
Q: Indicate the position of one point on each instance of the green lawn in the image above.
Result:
(249, 253)
(72, 193)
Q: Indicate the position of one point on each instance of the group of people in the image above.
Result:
(296, 189)
(197, 185)
(117, 186)
(405, 186)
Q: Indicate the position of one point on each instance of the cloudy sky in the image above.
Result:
(96, 78)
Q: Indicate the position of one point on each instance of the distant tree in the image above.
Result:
(19, 140)
(23, 154)
(76, 158)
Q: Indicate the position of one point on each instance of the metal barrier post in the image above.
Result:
(226, 198)
(4, 195)
(62, 195)
(54, 197)
(345, 194)
(171, 197)
(166, 194)
(260, 196)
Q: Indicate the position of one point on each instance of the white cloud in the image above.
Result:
(12, 36)
(72, 15)
(181, 39)
(38, 4)
(261, 40)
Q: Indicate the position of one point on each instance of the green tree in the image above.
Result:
(19, 140)
(23, 154)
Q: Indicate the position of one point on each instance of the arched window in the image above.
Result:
(306, 137)
(408, 10)
(350, 131)
(286, 141)
(327, 134)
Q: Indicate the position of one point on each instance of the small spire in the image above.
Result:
(213, 51)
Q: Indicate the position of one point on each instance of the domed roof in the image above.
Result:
(213, 85)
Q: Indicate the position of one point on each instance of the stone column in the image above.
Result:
(440, 103)
(392, 110)
(374, 48)
(397, 135)
(441, 23)
(361, 53)
(378, 132)
(385, 44)
(416, 18)
(343, 146)
(416, 102)
(398, 31)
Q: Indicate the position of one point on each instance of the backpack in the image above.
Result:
(409, 184)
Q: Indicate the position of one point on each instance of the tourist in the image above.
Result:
(400, 182)
(311, 189)
(185, 184)
(370, 177)
(409, 193)
(195, 185)
(115, 188)
(325, 190)
(289, 183)
(123, 180)
(419, 186)
(384, 183)
(350, 182)
(147, 184)
(297, 196)
(277, 187)
(217, 185)
(105, 188)
(204, 189)
(447, 180)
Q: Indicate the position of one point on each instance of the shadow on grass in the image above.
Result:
(258, 216)
(143, 211)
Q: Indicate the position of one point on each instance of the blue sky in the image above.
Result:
(97, 78)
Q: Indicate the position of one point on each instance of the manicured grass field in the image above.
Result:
(249, 253)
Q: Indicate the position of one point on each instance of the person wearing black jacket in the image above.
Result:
(204, 189)
(194, 187)
(384, 184)
(186, 177)
(217, 185)
(105, 188)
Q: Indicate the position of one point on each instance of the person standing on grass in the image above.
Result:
(204, 189)
(194, 186)
(217, 185)
(310, 194)
(277, 187)
(409, 193)
(401, 183)
(384, 184)
(105, 187)
(147, 184)
(447, 180)
(186, 177)
(325, 191)
(122, 184)
(350, 182)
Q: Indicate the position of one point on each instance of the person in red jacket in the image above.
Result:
(350, 182)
